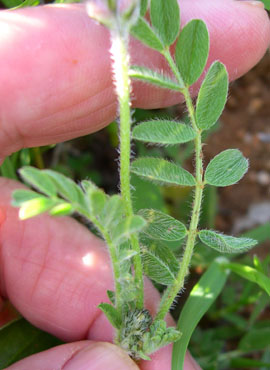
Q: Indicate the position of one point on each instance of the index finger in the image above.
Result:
(55, 68)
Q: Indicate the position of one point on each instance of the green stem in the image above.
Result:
(112, 251)
(174, 69)
(8, 170)
(174, 289)
(38, 158)
(121, 70)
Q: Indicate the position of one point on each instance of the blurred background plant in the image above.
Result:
(235, 332)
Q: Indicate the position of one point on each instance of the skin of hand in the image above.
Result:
(55, 85)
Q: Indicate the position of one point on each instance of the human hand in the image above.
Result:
(57, 85)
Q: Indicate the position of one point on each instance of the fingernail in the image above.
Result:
(256, 3)
(100, 355)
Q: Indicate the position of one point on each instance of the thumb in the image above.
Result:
(78, 356)
(99, 356)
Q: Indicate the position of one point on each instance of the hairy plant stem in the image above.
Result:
(121, 71)
(112, 250)
(172, 291)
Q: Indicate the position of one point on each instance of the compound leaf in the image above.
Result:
(153, 77)
(88, 186)
(225, 243)
(97, 202)
(66, 187)
(161, 226)
(212, 96)
(21, 196)
(163, 132)
(143, 32)
(165, 18)
(227, 168)
(39, 180)
(126, 227)
(62, 209)
(111, 296)
(113, 211)
(35, 207)
(192, 50)
(111, 314)
(162, 171)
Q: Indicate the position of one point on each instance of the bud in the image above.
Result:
(129, 10)
(114, 13)
(102, 11)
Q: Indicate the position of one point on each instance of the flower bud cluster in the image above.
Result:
(114, 13)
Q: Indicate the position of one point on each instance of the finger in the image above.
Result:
(89, 355)
(78, 356)
(56, 272)
(55, 68)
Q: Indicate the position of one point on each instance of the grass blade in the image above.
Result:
(201, 297)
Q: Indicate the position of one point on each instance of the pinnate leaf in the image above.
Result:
(33, 204)
(66, 187)
(21, 196)
(113, 211)
(111, 314)
(212, 96)
(162, 172)
(192, 51)
(227, 168)
(161, 226)
(88, 186)
(127, 227)
(35, 207)
(143, 32)
(159, 263)
(163, 132)
(111, 296)
(97, 202)
(39, 180)
(226, 243)
(165, 18)
(153, 77)
(62, 209)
